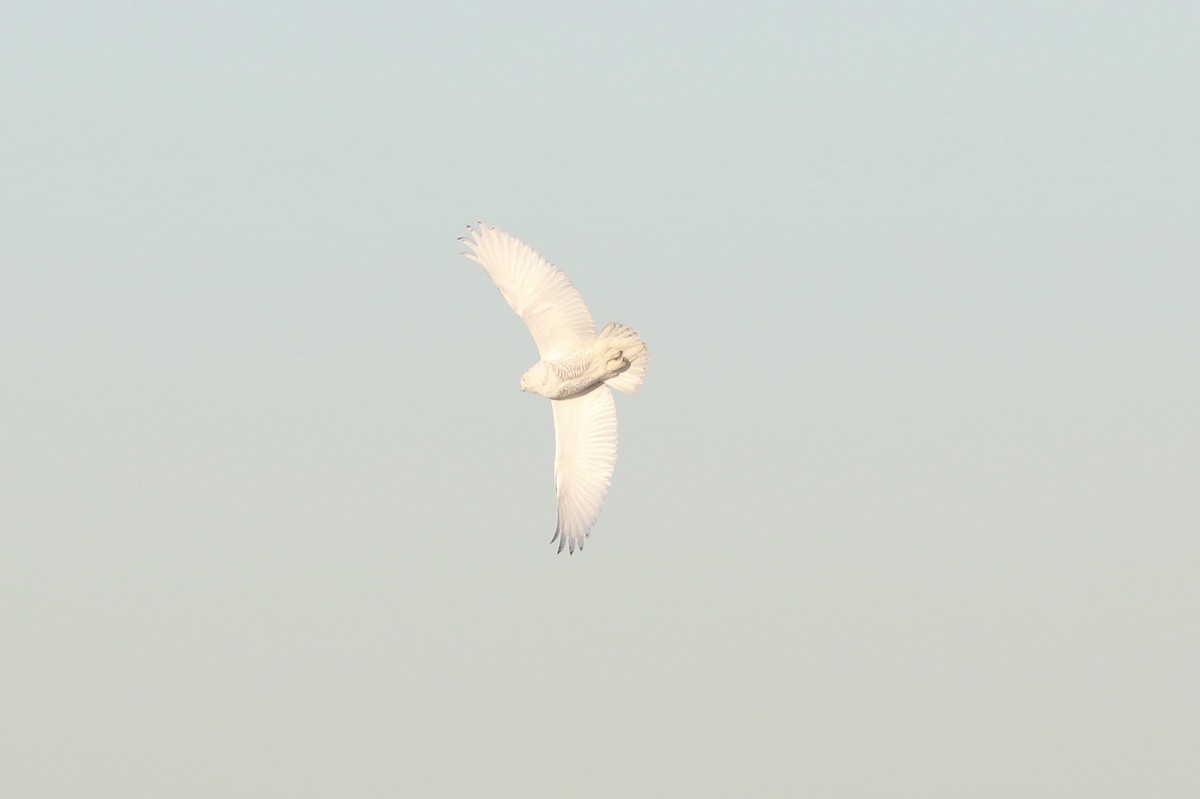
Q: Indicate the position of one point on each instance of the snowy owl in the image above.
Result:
(576, 368)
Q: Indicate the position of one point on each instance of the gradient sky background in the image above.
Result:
(907, 507)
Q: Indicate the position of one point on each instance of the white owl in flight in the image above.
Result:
(577, 367)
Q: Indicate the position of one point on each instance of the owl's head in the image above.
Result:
(536, 378)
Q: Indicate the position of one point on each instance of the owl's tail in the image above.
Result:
(633, 349)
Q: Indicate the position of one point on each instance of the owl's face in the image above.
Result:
(536, 378)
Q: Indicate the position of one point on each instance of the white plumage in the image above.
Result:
(575, 370)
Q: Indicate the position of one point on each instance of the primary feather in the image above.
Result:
(575, 372)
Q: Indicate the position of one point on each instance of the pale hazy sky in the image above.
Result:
(908, 506)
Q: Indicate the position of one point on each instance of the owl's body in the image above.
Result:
(613, 353)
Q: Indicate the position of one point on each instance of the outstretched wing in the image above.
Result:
(585, 451)
(539, 293)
